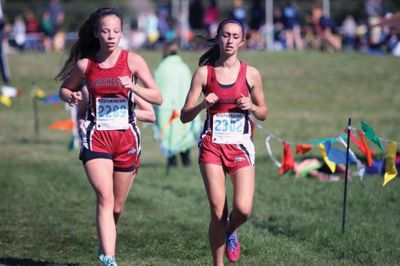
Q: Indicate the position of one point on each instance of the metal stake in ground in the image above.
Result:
(346, 176)
(36, 116)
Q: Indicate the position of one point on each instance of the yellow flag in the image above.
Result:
(330, 164)
(391, 171)
(38, 92)
(5, 100)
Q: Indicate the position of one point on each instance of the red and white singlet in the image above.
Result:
(226, 138)
(110, 129)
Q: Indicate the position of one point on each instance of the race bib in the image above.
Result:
(112, 113)
(228, 128)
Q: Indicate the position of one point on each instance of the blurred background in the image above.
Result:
(316, 63)
(328, 25)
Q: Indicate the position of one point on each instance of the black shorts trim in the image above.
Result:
(245, 150)
(129, 169)
(87, 155)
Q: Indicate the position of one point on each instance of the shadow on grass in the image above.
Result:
(39, 141)
(149, 164)
(275, 225)
(30, 262)
(32, 141)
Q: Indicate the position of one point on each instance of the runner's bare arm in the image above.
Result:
(259, 108)
(144, 111)
(68, 88)
(140, 69)
(192, 108)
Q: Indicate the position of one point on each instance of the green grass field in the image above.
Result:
(47, 207)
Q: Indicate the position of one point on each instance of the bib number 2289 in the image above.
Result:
(112, 113)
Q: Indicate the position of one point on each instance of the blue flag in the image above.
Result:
(337, 155)
(51, 99)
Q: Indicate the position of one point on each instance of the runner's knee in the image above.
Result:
(243, 213)
(105, 199)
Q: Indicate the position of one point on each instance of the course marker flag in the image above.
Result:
(5, 100)
(63, 125)
(391, 171)
(331, 165)
(287, 159)
(303, 148)
(370, 133)
(336, 155)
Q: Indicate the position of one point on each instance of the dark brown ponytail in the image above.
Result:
(212, 54)
(86, 44)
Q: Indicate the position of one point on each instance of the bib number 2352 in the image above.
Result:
(228, 128)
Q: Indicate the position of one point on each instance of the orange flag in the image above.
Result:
(63, 125)
(175, 114)
(287, 159)
(358, 143)
(303, 148)
(367, 152)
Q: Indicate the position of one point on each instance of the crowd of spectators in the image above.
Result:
(293, 28)
(31, 33)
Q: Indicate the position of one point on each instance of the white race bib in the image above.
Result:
(112, 113)
(228, 128)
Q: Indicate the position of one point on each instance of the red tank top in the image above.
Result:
(227, 94)
(105, 83)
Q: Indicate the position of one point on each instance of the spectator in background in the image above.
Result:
(324, 31)
(56, 18)
(48, 31)
(166, 26)
(257, 18)
(316, 31)
(378, 166)
(196, 12)
(279, 37)
(330, 39)
(151, 28)
(319, 170)
(374, 8)
(361, 40)
(32, 24)
(56, 14)
(19, 33)
(33, 36)
(257, 15)
(137, 37)
(348, 32)
(391, 25)
(291, 23)
(375, 12)
(239, 13)
(173, 78)
(5, 70)
(211, 16)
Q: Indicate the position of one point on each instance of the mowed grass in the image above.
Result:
(47, 207)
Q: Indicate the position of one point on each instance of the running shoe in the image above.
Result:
(232, 247)
(108, 261)
(100, 253)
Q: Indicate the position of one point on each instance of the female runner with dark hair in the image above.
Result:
(232, 90)
(110, 138)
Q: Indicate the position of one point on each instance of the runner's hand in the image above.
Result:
(244, 103)
(75, 98)
(210, 99)
(127, 83)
